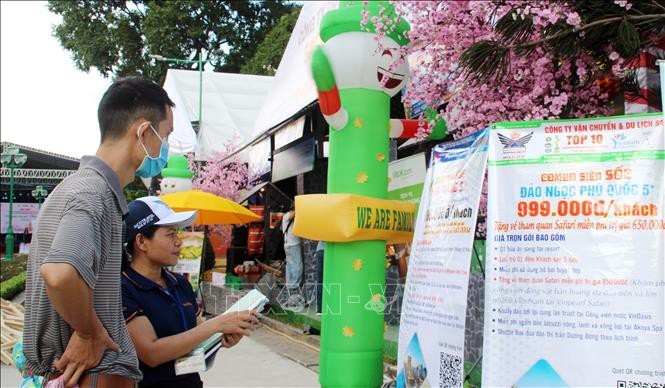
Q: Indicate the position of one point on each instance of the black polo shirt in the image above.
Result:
(171, 310)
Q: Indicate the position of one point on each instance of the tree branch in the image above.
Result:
(657, 4)
(585, 27)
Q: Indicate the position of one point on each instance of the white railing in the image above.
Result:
(32, 175)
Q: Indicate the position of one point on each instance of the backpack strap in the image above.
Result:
(289, 225)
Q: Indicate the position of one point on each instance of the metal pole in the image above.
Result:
(9, 238)
(200, 89)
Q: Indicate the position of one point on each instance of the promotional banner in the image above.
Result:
(575, 251)
(406, 178)
(24, 217)
(189, 262)
(431, 332)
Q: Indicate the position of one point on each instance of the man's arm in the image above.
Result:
(73, 300)
(64, 285)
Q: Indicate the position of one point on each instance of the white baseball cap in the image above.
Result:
(148, 211)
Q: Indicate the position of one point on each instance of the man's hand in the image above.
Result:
(83, 352)
(230, 340)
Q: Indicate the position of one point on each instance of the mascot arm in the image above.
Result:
(408, 128)
(329, 99)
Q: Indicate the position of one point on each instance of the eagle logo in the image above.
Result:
(515, 141)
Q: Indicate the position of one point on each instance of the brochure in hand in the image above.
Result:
(202, 357)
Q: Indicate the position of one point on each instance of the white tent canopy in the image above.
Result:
(231, 103)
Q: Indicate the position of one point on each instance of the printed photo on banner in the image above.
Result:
(189, 262)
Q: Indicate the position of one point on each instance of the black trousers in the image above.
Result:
(189, 381)
(319, 280)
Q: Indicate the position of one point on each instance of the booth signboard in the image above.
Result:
(259, 159)
(295, 160)
(406, 177)
(575, 249)
(289, 132)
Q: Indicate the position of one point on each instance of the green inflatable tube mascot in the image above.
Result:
(355, 83)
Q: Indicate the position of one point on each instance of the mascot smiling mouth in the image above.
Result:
(394, 79)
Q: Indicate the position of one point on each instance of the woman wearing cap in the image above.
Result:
(159, 306)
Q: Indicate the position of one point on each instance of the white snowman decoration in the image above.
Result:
(177, 176)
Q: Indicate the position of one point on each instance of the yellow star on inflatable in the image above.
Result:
(376, 297)
(358, 122)
(362, 178)
(357, 264)
(380, 157)
(348, 331)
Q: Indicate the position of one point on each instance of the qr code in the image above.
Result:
(637, 384)
(450, 370)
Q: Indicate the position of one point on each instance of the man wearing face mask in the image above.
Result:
(74, 328)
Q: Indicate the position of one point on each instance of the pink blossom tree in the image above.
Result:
(222, 176)
(513, 60)
(521, 79)
(219, 175)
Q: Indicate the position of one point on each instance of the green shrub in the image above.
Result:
(11, 287)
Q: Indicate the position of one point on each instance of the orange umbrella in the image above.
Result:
(212, 208)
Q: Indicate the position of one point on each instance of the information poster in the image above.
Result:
(189, 262)
(431, 332)
(575, 251)
(24, 217)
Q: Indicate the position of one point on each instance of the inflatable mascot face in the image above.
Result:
(358, 62)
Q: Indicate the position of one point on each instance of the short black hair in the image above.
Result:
(127, 99)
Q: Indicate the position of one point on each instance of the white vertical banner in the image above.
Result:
(293, 87)
(574, 293)
(431, 333)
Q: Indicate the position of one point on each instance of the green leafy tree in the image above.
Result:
(134, 190)
(117, 37)
(269, 52)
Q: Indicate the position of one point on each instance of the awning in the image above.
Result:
(245, 196)
(275, 193)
